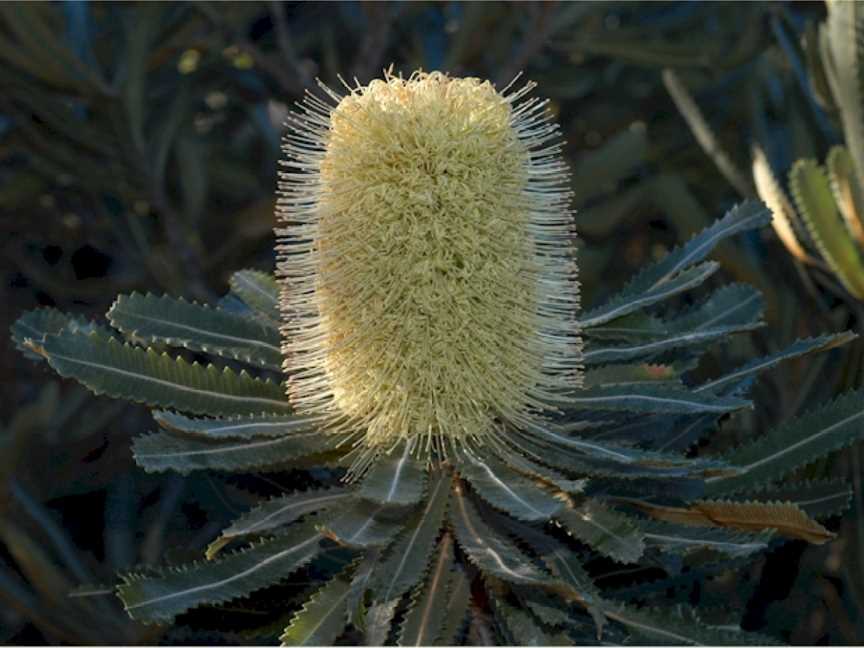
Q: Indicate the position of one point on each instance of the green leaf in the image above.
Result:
(817, 498)
(456, 608)
(238, 427)
(797, 349)
(279, 512)
(524, 630)
(794, 444)
(848, 194)
(608, 532)
(427, 613)
(165, 451)
(409, 555)
(37, 324)
(109, 367)
(490, 552)
(812, 193)
(665, 627)
(678, 538)
(735, 306)
(361, 525)
(654, 282)
(237, 575)
(322, 619)
(507, 490)
(648, 397)
(624, 303)
(260, 292)
(179, 323)
(396, 479)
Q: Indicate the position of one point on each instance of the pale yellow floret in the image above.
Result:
(429, 286)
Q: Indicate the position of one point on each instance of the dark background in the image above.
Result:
(138, 152)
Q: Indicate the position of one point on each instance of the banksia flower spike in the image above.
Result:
(428, 313)
(429, 285)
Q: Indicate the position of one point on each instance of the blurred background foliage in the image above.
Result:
(138, 151)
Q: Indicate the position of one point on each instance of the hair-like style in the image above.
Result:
(426, 258)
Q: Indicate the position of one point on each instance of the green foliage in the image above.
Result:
(605, 477)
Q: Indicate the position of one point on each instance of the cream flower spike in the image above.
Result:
(426, 258)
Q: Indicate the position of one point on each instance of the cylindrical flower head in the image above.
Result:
(426, 258)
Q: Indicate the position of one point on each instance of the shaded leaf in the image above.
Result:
(235, 576)
(120, 370)
(238, 427)
(361, 525)
(260, 292)
(395, 479)
(322, 618)
(683, 539)
(176, 322)
(606, 531)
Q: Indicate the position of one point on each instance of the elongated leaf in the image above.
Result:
(848, 194)
(238, 427)
(109, 367)
(671, 271)
(652, 398)
(322, 619)
(664, 627)
(797, 349)
(37, 324)
(379, 621)
(683, 539)
(237, 575)
(260, 292)
(785, 517)
(817, 498)
(524, 630)
(362, 525)
(653, 348)
(507, 490)
(735, 306)
(489, 551)
(279, 512)
(395, 480)
(812, 193)
(165, 451)
(456, 608)
(176, 322)
(606, 531)
(629, 374)
(410, 553)
(425, 618)
(794, 444)
(625, 303)
(785, 221)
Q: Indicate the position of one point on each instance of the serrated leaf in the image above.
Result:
(113, 368)
(456, 608)
(624, 303)
(734, 306)
(279, 512)
(812, 193)
(606, 531)
(664, 627)
(395, 480)
(409, 555)
(794, 444)
(654, 283)
(426, 616)
(238, 427)
(797, 349)
(785, 517)
(362, 525)
(379, 620)
(35, 325)
(652, 398)
(165, 451)
(490, 552)
(507, 490)
(524, 630)
(237, 575)
(260, 292)
(197, 327)
(322, 619)
(817, 498)
(678, 538)
(848, 194)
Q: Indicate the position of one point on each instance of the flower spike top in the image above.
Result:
(426, 259)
